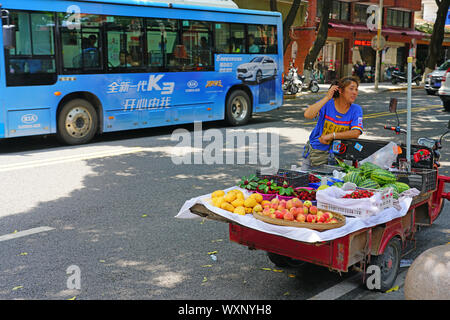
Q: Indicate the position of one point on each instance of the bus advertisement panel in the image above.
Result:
(77, 69)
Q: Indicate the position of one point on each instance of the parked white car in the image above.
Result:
(444, 90)
(434, 78)
(257, 69)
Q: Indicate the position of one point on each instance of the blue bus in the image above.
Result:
(81, 68)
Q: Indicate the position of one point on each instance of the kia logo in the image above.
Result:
(192, 84)
(29, 118)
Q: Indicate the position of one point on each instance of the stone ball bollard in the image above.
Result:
(428, 277)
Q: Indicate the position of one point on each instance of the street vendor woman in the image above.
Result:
(338, 117)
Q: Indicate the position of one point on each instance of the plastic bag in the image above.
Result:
(384, 157)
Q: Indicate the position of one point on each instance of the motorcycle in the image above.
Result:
(398, 76)
(388, 72)
(313, 85)
(292, 82)
(369, 75)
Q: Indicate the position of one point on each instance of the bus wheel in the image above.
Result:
(77, 122)
(238, 109)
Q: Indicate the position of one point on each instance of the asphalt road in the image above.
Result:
(109, 207)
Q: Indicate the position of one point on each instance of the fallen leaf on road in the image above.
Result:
(212, 252)
(291, 275)
(18, 287)
(266, 269)
(392, 289)
(144, 215)
(277, 270)
(73, 298)
(207, 266)
(217, 240)
(204, 279)
(23, 254)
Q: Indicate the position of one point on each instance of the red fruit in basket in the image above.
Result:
(279, 214)
(311, 218)
(334, 220)
(294, 211)
(289, 204)
(301, 217)
(288, 216)
(313, 210)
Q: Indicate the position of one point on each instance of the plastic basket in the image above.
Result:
(424, 180)
(294, 178)
(387, 200)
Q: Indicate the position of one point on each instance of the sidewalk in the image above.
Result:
(363, 88)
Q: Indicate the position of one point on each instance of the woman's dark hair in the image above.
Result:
(343, 83)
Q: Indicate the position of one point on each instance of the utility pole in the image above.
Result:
(377, 58)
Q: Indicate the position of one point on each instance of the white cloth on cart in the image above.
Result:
(299, 234)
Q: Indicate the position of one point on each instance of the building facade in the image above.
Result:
(349, 38)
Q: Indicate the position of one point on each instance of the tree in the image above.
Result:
(435, 47)
(288, 20)
(321, 37)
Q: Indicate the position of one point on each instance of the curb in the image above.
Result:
(294, 96)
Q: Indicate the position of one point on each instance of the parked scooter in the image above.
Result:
(369, 75)
(388, 72)
(312, 86)
(398, 76)
(292, 82)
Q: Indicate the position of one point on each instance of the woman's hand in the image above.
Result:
(331, 91)
(326, 139)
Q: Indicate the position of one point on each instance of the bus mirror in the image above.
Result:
(9, 31)
(393, 105)
(9, 36)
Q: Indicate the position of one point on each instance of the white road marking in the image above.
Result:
(25, 233)
(339, 290)
(65, 159)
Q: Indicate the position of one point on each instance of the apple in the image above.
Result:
(272, 215)
(267, 211)
(265, 202)
(313, 210)
(320, 219)
(275, 200)
(289, 204)
(325, 214)
(274, 205)
(307, 203)
(279, 214)
(305, 210)
(297, 202)
(294, 211)
(333, 220)
(330, 215)
(311, 218)
(288, 216)
(301, 217)
(281, 206)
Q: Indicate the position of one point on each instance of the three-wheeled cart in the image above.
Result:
(381, 245)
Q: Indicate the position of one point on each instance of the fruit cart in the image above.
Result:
(380, 240)
(382, 245)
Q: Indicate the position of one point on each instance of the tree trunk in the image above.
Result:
(288, 22)
(435, 47)
(321, 37)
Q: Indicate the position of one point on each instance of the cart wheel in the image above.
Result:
(389, 264)
(283, 261)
